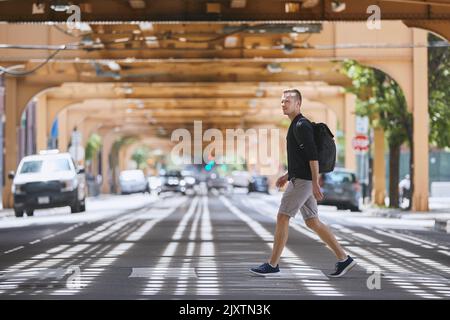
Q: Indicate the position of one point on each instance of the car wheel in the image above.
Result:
(354, 209)
(30, 212)
(83, 206)
(18, 213)
(76, 207)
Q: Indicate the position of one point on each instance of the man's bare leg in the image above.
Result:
(280, 239)
(327, 236)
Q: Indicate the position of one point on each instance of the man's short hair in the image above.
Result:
(295, 92)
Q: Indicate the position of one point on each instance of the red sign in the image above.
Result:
(361, 142)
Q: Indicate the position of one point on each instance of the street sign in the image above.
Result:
(362, 125)
(76, 138)
(361, 142)
(77, 152)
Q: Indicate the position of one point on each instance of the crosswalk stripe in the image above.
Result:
(266, 235)
(61, 255)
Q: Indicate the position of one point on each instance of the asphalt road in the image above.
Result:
(201, 247)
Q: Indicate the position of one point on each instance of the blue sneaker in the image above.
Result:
(343, 267)
(265, 269)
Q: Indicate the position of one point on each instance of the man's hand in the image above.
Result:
(281, 181)
(316, 191)
(314, 165)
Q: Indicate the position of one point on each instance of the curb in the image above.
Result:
(442, 225)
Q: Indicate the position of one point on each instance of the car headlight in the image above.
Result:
(17, 189)
(69, 185)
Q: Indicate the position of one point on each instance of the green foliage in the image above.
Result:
(381, 99)
(140, 156)
(439, 92)
(123, 141)
(93, 145)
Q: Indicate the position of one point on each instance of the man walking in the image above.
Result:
(303, 190)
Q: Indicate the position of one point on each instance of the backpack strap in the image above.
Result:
(296, 135)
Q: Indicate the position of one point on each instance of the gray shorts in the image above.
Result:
(299, 196)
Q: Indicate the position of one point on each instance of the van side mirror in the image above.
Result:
(11, 175)
(81, 170)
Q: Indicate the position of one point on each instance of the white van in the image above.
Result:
(47, 180)
(133, 181)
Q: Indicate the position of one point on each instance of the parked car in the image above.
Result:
(341, 188)
(216, 181)
(133, 181)
(240, 179)
(47, 180)
(258, 184)
(172, 181)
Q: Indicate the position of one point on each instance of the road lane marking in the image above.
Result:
(155, 282)
(88, 274)
(447, 253)
(14, 250)
(404, 252)
(112, 255)
(385, 263)
(182, 282)
(193, 233)
(324, 290)
(398, 237)
(207, 285)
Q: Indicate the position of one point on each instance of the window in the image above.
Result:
(57, 165)
(31, 167)
(340, 177)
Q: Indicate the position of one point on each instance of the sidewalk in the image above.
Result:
(439, 212)
(439, 208)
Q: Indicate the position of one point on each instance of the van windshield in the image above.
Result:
(49, 165)
(132, 175)
(31, 167)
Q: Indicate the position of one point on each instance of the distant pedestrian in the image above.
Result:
(404, 190)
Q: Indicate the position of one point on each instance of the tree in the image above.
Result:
(439, 91)
(93, 146)
(381, 99)
(140, 156)
(114, 157)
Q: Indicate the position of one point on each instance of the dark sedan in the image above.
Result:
(258, 184)
(172, 181)
(341, 188)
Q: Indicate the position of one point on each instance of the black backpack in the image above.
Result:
(326, 147)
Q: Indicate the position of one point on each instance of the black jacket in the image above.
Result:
(300, 152)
